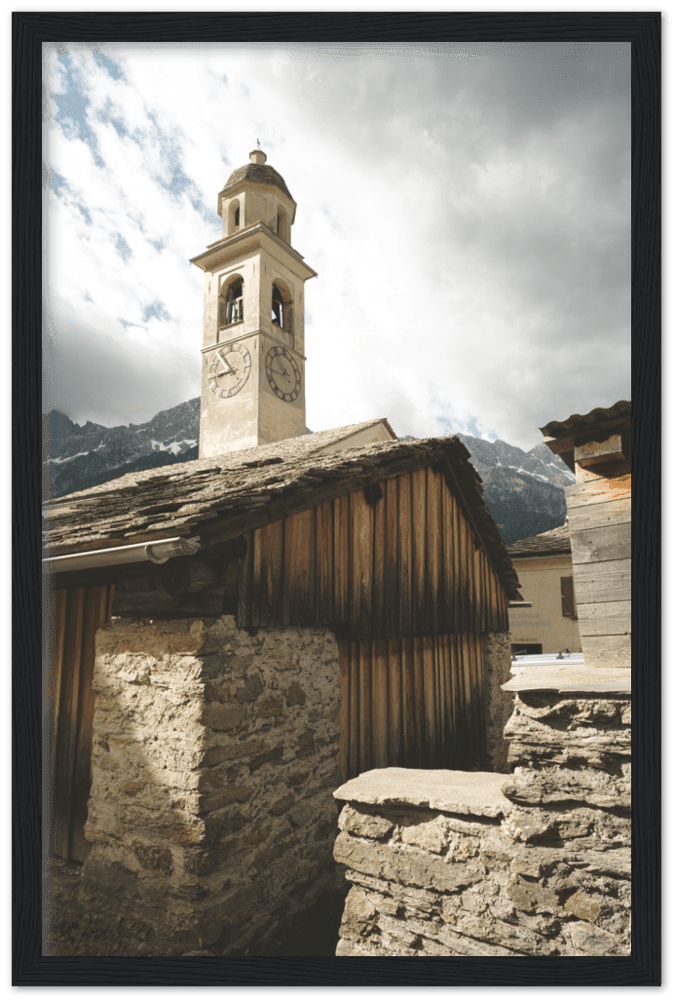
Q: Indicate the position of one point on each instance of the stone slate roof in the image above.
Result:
(578, 422)
(223, 497)
(259, 173)
(549, 543)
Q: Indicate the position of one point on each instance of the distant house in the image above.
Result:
(544, 566)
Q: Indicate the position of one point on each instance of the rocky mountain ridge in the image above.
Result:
(524, 490)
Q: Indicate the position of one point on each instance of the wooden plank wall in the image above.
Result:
(599, 513)
(399, 560)
(416, 702)
(75, 614)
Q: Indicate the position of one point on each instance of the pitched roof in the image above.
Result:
(582, 422)
(548, 543)
(219, 498)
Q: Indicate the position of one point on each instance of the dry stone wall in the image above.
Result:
(537, 863)
(498, 703)
(214, 760)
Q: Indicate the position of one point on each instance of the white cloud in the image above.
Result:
(468, 217)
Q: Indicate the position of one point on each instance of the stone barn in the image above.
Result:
(234, 636)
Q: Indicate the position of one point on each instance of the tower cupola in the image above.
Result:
(254, 193)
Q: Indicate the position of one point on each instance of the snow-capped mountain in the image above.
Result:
(76, 457)
(523, 489)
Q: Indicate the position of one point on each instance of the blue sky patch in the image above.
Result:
(155, 311)
(71, 112)
(122, 247)
(109, 65)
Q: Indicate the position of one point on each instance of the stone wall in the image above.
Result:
(498, 703)
(214, 760)
(459, 863)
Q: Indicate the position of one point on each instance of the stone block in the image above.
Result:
(364, 824)
(583, 905)
(223, 718)
(424, 833)
(531, 896)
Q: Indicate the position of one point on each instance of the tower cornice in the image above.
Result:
(257, 236)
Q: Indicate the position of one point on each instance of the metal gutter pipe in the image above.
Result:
(155, 552)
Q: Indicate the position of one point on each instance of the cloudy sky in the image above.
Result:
(467, 208)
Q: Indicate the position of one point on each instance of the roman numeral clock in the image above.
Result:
(253, 361)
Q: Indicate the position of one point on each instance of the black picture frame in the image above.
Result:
(30, 30)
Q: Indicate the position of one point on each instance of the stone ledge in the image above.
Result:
(476, 793)
(580, 680)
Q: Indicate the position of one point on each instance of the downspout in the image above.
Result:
(155, 552)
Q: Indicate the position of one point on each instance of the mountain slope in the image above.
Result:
(78, 457)
(525, 490)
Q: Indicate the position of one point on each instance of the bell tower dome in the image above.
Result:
(253, 353)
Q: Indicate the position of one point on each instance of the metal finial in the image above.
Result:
(258, 141)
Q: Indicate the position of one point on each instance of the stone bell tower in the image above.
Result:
(253, 353)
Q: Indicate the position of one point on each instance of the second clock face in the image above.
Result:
(283, 373)
(229, 370)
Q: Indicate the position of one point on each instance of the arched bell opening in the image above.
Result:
(282, 307)
(231, 302)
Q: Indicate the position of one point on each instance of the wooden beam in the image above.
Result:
(593, 546)
(599, 515)
(609, 618)
(595, 583)
(599, 452)
(607, 651)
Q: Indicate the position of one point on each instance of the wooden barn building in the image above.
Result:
(366, 592)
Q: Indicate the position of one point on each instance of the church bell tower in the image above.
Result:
(253, 353)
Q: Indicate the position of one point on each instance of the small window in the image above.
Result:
(569, 608)
(234, 217)
(277, 307)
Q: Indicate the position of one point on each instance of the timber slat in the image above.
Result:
(607, 651)
(592, 546)
(325, 563)
(391, 557)
(434, 552)
(407, 666)
(361, 560)
(600, 490)
(406, 568)
(380, 596)
(610, 618)
(420, 625)
(599, 515)
(395, 703)
(606, 581)
(66, 724)
(341, 523)
(380, 696)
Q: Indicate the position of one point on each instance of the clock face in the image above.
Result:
(283, 373)
(229, 370)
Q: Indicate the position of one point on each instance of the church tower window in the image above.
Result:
(232, 303)
(282, 307)
(234, 216)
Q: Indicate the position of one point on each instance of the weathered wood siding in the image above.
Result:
(75, 615)
(394, 561)
(414, 702)
(599, 512)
